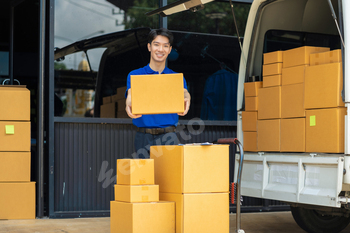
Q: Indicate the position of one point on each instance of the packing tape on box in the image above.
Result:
(10, 129)
(313, 120)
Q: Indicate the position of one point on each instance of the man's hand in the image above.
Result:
(128, 106)
(187, 103)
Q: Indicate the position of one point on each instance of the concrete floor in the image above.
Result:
(272, 222)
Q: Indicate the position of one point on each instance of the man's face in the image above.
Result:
(159, 48)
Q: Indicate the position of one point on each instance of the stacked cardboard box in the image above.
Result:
(325, 111)
(250, 115)
(17, 193)
(114, 106)
(137, 208)
(196, 178)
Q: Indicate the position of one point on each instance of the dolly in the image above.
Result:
(236, 187)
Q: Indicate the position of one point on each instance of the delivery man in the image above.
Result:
(157, 129)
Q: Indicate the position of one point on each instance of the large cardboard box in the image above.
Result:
(136, 193)
(151, 217)
(269, 138)
(272, 80)
(326, 57)
(293, 135)
(318, 59)
(135, 171)
(325, 130)
(249, 121)
(252, 88)
(273, 57)
(191, 168)
(272, 69)
(204, 213)
(15, 136)
(323, 85)
(15, 103)
(108, 110)
(293, 75)
(250, 141)
(292, 101)
(157, 94)
(251, 103)
(269, 103)
(300, 56)
(14, 166)
(17, 200)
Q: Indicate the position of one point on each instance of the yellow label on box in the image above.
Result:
(10, 129)
(312, 120)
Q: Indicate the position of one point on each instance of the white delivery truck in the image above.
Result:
(315, 184)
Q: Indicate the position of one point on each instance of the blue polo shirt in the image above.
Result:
(156, 120)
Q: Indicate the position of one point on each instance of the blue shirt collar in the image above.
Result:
(150, 71)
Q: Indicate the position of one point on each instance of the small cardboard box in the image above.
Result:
(108, 110)
(15, 103)
(135, 171)
(272, 80)
(323, 85)
(17, 200)
(269, 138)
(300, 56)
(272, 69)
(273, 57)
(293, 75)
(251, 104)
(191, 168)
(269, 103)
(157, 94)
(317, 59)
(326, 57)
(14, 166)
(252, 88)
(107, 99)
(292, 101)
(249, 121)
(325, 130)
(15, 136)
(120, 94)
(151, 217)
(136, 193)
(250, 141)
(200, 212)
(293, 135)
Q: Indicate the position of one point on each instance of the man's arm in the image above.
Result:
(128, 106)
(187, 102)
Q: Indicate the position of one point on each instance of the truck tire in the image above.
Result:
(313, 221)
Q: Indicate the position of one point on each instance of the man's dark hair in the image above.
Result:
(162, 32)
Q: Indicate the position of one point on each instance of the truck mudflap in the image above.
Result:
(300, 178)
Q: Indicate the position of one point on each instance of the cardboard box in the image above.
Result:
(120, 94)
(204, 213)
(293, 75)
(122, 114)
(272, 69)
(269, 103)
(157, 94)
(273, 57)
(15, 103)
(14, 166)
(325, 130)
(108, 110)
(252, 88)
(272, 80)
(293, 135)
(151, 217)
(292, 101)
(121, 105)
(249, 121)
(17, 200)
(326, 57)
(269, 138)
(250, 141)
(135, 171)
(136, 193)
(191, 168)
(323, 85)
(300, 56)
(251, 103)
(15, 136)
(107, 99)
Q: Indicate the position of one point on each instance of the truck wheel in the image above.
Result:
(313, 221)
